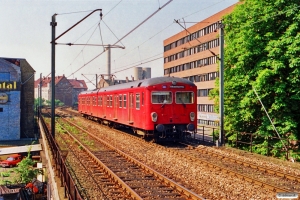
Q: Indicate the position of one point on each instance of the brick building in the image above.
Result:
(66, 90)
(16, 99)
(78, 86)
(189, 55)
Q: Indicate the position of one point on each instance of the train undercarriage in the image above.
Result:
(161, 133)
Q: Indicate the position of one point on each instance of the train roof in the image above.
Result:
(142, 83)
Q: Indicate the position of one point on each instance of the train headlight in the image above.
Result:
(154, 116)
(192, 116)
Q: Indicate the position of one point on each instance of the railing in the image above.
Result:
(207, 133)
(71, 191)
(248, 139)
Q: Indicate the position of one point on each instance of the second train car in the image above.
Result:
(161, 108)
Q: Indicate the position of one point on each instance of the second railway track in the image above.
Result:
(134, 178)
(252, 181)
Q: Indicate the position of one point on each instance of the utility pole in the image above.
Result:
(96, 81)
(53, 43)
(108, 60)
(40, 96)
(221, 94)
(53, 24)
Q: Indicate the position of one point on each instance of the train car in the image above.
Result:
(161, 108)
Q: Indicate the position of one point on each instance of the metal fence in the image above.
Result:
(250, 140)
(70, 190)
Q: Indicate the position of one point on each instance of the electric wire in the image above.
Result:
(147, 40)
(92, 26)
(195, 38)
(74, 12)
(141, 62)
(101, 35)
(137, 65)
(124, 35)
(203, 9)
(112, 32)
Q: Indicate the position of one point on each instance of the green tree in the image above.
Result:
(25, 170)
(57, 102)
(262, 51)
(36, 102)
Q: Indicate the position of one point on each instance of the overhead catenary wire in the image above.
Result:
(137, 65)
(112, 32)
(140, 62)
(124, 35)
(101, 17)
(177, 21)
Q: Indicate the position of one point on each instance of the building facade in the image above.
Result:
(66, 90)
(193, 54)
(16, 99)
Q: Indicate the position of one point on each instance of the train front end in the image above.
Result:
(173, 109)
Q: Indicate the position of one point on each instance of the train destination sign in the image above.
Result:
(9, 85)
(176, 86)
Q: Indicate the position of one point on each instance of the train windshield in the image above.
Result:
(184, 97)
(161, 97)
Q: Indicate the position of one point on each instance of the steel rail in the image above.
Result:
(173, 184)
(115, 177)
(254, 166)
(228, 171)
(215, 166)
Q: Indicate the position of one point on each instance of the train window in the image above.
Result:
(107, 100)
(184, 97)
(161, 97)
(110, 100)
(120, 100)
(124, 101)
(99, 101)
(137, 101)
(142, 98)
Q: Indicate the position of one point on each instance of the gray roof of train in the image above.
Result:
(144, 83)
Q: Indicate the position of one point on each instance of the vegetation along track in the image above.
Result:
(123, 172)
(205, 179)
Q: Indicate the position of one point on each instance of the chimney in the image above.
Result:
(126, 79)
(132, 78)
(75, 79)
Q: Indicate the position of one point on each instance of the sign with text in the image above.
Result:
(9, 85)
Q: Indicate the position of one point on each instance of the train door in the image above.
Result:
(116, 100)
(130, 108)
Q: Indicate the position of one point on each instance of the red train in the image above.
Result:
(162, 108)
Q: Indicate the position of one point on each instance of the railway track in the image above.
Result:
(228, 170)
(224, 158)
(262, 176)
(125, 173)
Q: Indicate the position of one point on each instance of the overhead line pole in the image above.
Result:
(53, 24)
(221, 94)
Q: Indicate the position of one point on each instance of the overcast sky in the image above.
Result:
(26, 33)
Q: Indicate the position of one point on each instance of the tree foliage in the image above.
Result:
(262, 48)
(25, 170)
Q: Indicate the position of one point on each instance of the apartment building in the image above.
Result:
(193, 54)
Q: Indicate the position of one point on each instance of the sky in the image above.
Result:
(140, 26)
